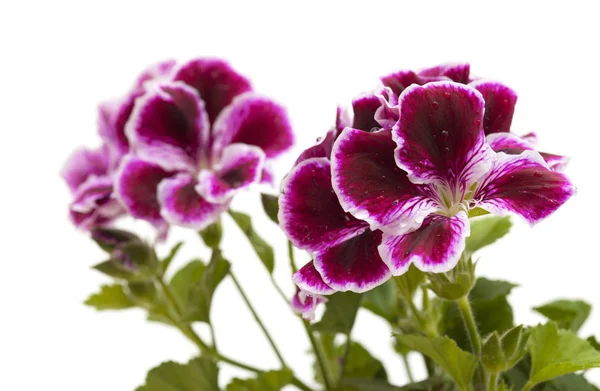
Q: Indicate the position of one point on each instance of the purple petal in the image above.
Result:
(309, 211)
(112, 118)
(322, 148)
(267, 176)
(370, 185)
(170, 128)
(305, 303)
(155, 72)
(353, 265)
(457, 72)
(387, 114)
(309, 280)
(401, 80)
(513, 145)
(435, 247)
(524, 185)
(136, 186)
(364, 108)
(84, 163)
(555, 162)
(500, 103)
(253, 120)
(439, 134)
(182, 205)
(240, 166)
(216, 82)
(94, 203)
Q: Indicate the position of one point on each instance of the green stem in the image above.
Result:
(408, 369)
(291, 257)
(467, 314)
(212, 336)
(528, 386)
(347, 347)
(492, 381)
(320, 356)
(257, 319)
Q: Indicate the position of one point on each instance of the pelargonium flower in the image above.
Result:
(88, 175)
(500, 102)
(417, 182)
(344, 249)
(195, 141)
(305, 303)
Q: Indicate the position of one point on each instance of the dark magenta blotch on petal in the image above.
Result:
(136, 186)
(523, 184)
(309, 210)
(435, 247)
(439, 133)
(216, 82)
(353, 265)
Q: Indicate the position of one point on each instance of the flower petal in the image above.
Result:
(169, 127)
(524, 185)
(555, 162)
(364, 108)
(309, 280)
(84, 163)
(136, 186)
(94, 203)
(306, 303)
(400, 80)
(387, 114)
(500, 103)
(457, 72)
(240, 166)
(216, 82)
(439, 134)
(353, 265)
(512, 144)
(371, 187)
(155, 72)
(322, 148)
(435, 247)
(309, 211)
(182, 205)
(253, 120)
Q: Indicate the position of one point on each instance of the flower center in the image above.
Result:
(452, 199)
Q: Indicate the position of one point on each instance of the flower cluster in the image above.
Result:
(177, 148)
(395, 185)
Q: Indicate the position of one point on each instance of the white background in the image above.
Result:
(58, 59)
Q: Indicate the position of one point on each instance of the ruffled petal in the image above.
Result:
(457, 72)
(182, 205)
(512, 144)
(84, 163)
(371, 187)
(112, 118)
(387, 114)
(309, 211)
(322, 148)
(253, 120)
(524, 185)
(170, 127)
(555, 162)
(435, 247)
(94, 203)
(309, 280)
(353, 265)
(216, 82)
(399, 81)
(306, 303)
(500, 102)
(364, 108)
(439, 134)
(241, 165)
(136, 186)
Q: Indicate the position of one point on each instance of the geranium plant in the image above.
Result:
(393, 204)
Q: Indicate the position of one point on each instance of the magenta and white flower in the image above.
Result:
(195, 141)
(305, 303)
(500, 102)
(89, 177)
(417, 182)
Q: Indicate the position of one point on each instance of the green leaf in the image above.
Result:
(485, 231)
(113, 268)
(568, 314)
(340, 313)
(570, 382)
(592, 340)
(557, 352)
(409, 282)
(490, 308)
(201, 294)
(261, 248)
(212, 234)
(266, 381)
(270, 204)
(431, 384)
(383, 301)
(110, 297)
(460, 365)
(200, 374)
(166, 261)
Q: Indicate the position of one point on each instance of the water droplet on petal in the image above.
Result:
(406, 253)
(445, 134)
(447, 149)
(396, 202)
(538, 174)
(447, 95)
(477, 122)
(435, 104)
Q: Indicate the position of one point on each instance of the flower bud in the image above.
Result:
(492, 356)
(499, 354)
(135, 255)
(109, 238)
(456, 283)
